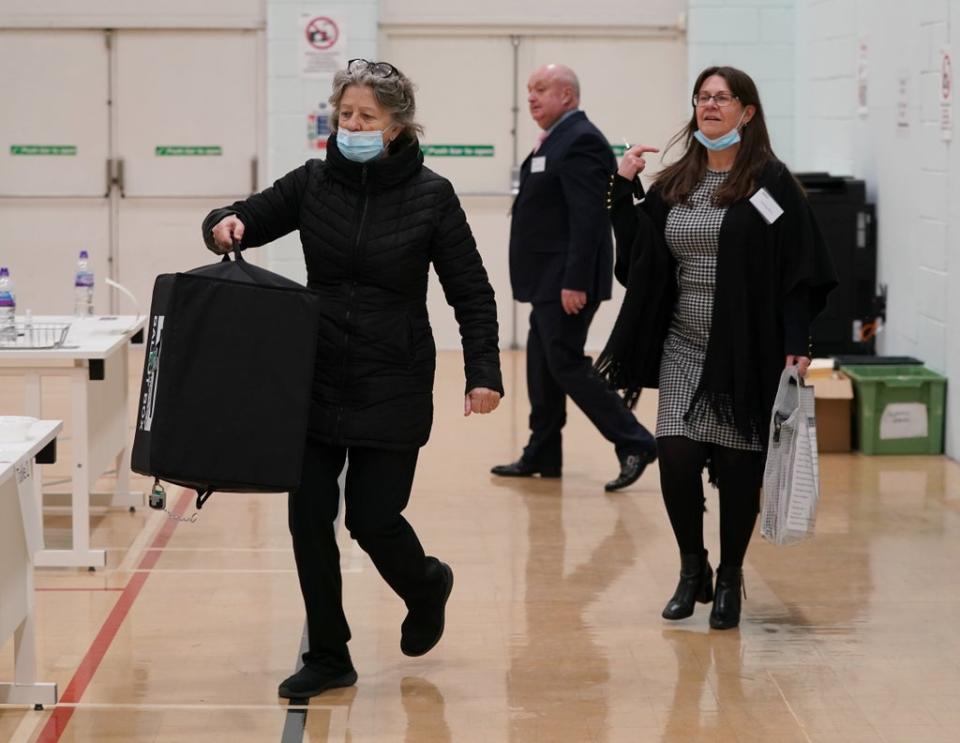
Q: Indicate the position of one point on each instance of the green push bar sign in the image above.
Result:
(43, 149)
(458, 150)
(168, 150)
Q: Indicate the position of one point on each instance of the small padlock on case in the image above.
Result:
(158, 496)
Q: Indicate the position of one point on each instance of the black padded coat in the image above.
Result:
(370, 233)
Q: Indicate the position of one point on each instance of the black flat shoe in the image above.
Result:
(696, 584)
(726, 602)
(309, 682)
(631, 467)
(423, 627)
(522, 468)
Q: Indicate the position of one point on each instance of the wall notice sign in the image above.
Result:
(193, 150)
(323, 45)
(903, 102)
(946, 95)
(904, 420)
(862, 76)
(318, 127)
(458, 150)
(44, 149)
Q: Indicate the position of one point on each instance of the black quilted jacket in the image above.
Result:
(370, 233)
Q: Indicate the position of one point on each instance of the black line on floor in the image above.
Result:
(296, 720)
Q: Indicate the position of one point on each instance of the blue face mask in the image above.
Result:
(723, 142)
(359, 146)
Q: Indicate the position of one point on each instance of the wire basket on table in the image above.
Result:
(36, 335)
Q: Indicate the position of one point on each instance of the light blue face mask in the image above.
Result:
(359, 146)
(723, 142)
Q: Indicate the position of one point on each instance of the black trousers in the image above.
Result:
(556, 368)
(738, 474)
(377, 489)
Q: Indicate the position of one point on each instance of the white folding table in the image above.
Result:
(21, 537)
(95, 357)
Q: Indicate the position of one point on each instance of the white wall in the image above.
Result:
(126, 14)
(532, 12)
(910, 173)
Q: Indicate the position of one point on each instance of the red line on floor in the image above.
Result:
(57, 722)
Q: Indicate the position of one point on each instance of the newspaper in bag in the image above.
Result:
(791, 478)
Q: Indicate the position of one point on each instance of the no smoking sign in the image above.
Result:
(322, 45)
(322, 33)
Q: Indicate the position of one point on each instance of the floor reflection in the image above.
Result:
(695, 713)
(557, 684)
(425, 709)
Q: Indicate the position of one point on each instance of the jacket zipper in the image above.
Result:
(350, 296)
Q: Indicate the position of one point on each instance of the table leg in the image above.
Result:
(80, 505)
(32, 390)
(25, 643)
(24, 689)
(33, 408)
(80, 554)
(122, 495)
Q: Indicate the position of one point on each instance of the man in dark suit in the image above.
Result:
(561, 260)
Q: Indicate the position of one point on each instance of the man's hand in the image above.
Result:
(572, 300)
(227, 231)
(480, 400)
(801, 362)
(633, 162)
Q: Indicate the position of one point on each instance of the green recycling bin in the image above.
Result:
(900, 409)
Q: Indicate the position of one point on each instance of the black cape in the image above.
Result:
(769, 277)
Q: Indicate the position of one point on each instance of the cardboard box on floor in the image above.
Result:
(834, 394)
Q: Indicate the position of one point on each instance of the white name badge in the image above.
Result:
(768, 207)
(538, 164)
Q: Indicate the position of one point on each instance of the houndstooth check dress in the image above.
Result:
(692, 233)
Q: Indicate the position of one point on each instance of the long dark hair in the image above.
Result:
(678, 180)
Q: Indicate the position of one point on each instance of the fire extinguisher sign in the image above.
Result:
(322, 45)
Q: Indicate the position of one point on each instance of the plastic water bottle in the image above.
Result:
(8, 308)
(83, 287)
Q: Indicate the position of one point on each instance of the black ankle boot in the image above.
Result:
(726, 603)
(696, 584)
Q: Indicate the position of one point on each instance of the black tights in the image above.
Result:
(738, 474)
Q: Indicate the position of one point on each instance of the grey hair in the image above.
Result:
(393, 93)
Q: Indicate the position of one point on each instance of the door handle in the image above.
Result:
(115, 176)
(253, 175)
(119, 179)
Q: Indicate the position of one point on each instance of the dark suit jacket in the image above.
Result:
(560, 231)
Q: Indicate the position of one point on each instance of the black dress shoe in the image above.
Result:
(696, 584)
(726, 601)
(310, 681)
(522, 468)
(423, 627)
(631, 467)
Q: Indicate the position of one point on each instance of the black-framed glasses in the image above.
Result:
(378, 69)
(721, 99)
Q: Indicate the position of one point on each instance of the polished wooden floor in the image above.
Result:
(553, 629)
